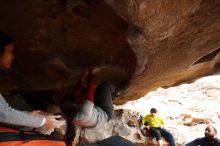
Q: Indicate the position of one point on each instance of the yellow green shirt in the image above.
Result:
(153, 121)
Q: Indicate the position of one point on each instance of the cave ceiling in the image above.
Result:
(138, 45)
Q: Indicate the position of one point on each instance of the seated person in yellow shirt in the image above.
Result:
(156, 127)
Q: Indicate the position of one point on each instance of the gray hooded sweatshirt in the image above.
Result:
(90, 116)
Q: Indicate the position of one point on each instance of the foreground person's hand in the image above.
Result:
(36, 112)
(52, 122)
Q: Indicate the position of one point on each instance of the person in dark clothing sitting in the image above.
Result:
(210, 138)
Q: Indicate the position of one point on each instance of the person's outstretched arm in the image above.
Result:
(15, 117)
(88, 99)
(144, 120)
(77, 88)
(89, 94)
(90, 87)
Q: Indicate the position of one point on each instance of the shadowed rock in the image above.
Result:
(137, 45)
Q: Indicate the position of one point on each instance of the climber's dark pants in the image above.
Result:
(103, 98)
(161, 132)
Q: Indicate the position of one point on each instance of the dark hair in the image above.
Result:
(4, 40)
(212, 128)
(153, 110)
(69, 108)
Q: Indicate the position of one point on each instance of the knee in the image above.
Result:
(158, 137)
(168, 136)
(156, 134)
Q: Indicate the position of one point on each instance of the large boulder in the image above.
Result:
(138, 45)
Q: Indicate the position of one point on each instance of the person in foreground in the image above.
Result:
(210, 138)
(12, 116)
(92, 110)
(157, 130)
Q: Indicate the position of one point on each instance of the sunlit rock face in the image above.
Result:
(138, 45)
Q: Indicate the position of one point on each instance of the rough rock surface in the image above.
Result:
(124, 123)
(117, 126)
(137, 44)
(120, 126)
